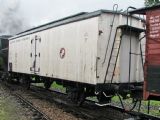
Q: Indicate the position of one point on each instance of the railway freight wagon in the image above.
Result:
(3, 54)
(152, 61)
(91, 54)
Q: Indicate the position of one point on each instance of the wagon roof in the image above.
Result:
(144, 9)
(66, 20)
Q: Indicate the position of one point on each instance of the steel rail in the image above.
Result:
(41, 115)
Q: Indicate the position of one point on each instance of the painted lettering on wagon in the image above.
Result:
(23, 39)
(19, 40)
(154, 26)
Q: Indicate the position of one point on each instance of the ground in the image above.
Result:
(9, 108)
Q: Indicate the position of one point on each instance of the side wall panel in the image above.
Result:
(76, 42)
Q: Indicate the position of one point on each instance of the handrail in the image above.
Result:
(115, 8)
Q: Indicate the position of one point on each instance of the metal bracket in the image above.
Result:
(98, 58)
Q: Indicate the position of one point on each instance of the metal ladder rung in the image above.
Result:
(116, 45)
(115, 48)
(113, 59)
(110, 73)
(114, 56)
(112, 63)
(111, 69)
(117, 41)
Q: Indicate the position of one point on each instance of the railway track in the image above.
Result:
(124, 114)
(37, 114)
(88, 111)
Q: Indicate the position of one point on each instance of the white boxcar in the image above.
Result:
(74, 48)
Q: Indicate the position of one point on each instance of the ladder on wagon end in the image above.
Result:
(113, 55)
(115, 50)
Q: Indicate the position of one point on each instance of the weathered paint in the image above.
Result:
(79, 39)
(152, 61)
(82, 42)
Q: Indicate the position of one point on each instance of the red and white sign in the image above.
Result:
(62, 53)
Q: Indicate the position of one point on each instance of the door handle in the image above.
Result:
(97, 66)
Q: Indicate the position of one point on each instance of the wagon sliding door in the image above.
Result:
(35, 54)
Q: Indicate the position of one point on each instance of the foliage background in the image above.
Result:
(151, 2)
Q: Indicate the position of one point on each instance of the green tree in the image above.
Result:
(151, 2)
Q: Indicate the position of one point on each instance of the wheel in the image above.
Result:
(47, 84)
(25, 81)
(76, 95)
(4, 77)
(27, 84)
(9, 79)
(82, 98)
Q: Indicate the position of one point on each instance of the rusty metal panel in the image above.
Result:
(152, 61)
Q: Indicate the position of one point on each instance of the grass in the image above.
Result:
(8, 110)
(144, 104)
(53, 86)
(58, 87)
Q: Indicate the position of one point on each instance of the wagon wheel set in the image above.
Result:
(76, 95)
(27, 80)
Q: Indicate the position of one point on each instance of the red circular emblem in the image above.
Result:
(62, 53)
